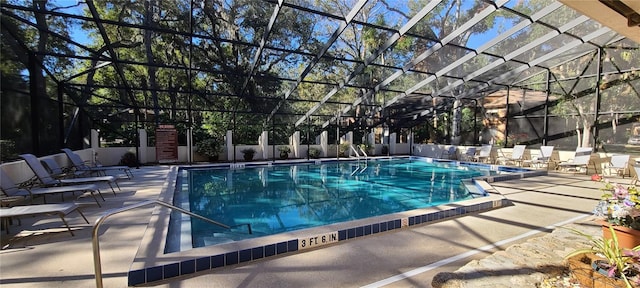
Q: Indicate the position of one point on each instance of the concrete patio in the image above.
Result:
(407, 257)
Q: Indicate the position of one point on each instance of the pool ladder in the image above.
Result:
(97, 264)
(364, 154)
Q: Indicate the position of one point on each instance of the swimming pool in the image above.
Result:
(274, 199)
(157, 259)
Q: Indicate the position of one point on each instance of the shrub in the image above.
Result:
(129, 159)
(209, 147)
(314, 153)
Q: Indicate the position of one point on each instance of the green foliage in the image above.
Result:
(314, 153)
(343, 147)
(8, 150)
(285, 149)
(129, 159)
(248, 153)
(209, 146)
(385, 149)
(618, 261)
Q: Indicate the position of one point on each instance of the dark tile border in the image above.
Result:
(203, 263)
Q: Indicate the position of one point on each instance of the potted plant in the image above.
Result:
(210, 148)
(605, 261)
(284, 151)
(385, 150)
(314, 153)
(619, 208)
(129, 159)
(248, 153)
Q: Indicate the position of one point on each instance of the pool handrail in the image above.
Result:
(97, 264)
(363, 152)
(355, 151)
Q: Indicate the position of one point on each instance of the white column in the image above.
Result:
(294, 140)
(410, 141)
(392, 143)
(229, 144)
(95, 139)
(371, 138)
(142, 150)
(189, 146)
(324, 143)
(349, 139)
(263, 141)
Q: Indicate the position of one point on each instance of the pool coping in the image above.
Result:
(151, 264)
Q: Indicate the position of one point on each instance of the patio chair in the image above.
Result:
(11, 189)
(485, 154)
(543, 158)
(618, 163)
(47, 180)
(636, 169)
(80, 165)
(469, 154)
(57, 171)
(516, 155)
(61, 209)
(581, 159)
(450, 153)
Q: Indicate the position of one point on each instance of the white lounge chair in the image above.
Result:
(11, 189)
(80, 165)
(45, 178)
(636, 169)
(581, 159)
(543, 158)
(61, 210)
(56, 171)
(450, 153)
(516, 155)
(469, 154)
(618, 163)
(485, 153)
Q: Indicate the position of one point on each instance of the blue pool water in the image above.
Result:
(279, 198)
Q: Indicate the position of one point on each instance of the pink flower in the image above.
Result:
(621, 191)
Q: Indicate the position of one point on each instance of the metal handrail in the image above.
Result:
(96, 245)
(355, 151)
(363, 152)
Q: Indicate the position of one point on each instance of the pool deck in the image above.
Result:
(406, 257)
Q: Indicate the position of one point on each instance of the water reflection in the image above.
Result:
(282, 198)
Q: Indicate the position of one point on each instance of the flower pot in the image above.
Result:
(581, 269)
(284, 155)
(584, 270)
(627, 237)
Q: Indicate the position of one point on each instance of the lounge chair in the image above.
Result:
(618, 163)
(543, 158)
(57, 171)
(80, 165)
(469, 154)
(581, 159)
(61, 210)
(516, 156)
(450, 153)
(45, 178)
(485, 153)
(11, 189)
(636, 169)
